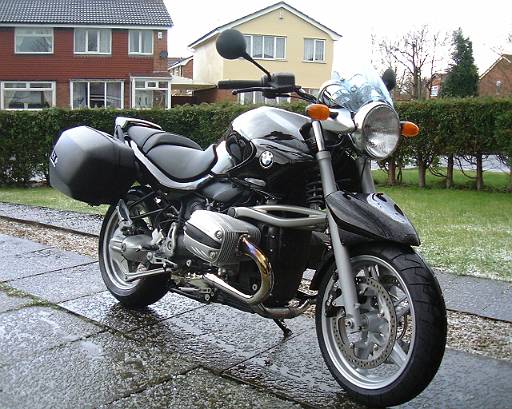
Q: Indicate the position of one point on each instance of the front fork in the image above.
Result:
(341, 255)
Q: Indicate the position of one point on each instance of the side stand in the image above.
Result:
(286, 331)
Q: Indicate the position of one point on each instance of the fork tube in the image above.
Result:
(341, 255)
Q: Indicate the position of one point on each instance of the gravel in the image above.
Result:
(466, 332)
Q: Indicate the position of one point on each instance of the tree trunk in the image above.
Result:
(422, 170)
(391, 172)
(449, 172)
(479, 172)
(509, 187)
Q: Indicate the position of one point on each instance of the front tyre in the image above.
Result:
(139, 293)
(403, 338)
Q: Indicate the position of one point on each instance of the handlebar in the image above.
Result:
(239, 84)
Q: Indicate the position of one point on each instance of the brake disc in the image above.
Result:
(371, 346)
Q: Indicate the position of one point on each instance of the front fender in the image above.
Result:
(372, 215)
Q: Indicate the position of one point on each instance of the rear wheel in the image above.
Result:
(403, 338)
(139, 293)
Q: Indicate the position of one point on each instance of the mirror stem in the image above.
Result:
(250, 59)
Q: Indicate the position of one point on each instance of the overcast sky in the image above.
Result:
(487, 23)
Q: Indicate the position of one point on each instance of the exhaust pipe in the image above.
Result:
(266, 275)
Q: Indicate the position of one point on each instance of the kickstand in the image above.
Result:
(286, 331)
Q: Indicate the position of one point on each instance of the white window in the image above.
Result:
(266, 47)
(151, 93)
(33, 40)
(27, 95)
(93, 41)
(434, 91)
(140, 42)
(257, 97)
(314, 50)
(97, 94)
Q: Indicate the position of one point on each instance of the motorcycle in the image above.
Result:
(239, 222)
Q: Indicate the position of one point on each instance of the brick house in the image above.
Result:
(84, 53)
(497, 80)
(183, 67)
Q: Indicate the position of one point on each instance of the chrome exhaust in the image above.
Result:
(266, 275)
(282, 313)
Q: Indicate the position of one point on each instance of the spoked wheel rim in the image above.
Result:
(377, 358)
(116, 266)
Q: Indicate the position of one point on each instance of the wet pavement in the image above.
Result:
(65, 343)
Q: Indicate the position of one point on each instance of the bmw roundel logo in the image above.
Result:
(266, 159)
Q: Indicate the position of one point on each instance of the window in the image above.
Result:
(92, 41)
(434, 91)
(151, 93)
(33, 40)
(97, 94)
(266, 47)
(27, 95)
(314, 50)
(498, 87)
(140, 42)
(258, 98)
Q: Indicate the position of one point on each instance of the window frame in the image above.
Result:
(266, 101)
(17, 29)
(315, 40)
(141, 32)
(53, 89)
(147, 80)
(89, 81)
(275, 37)
(87, 29)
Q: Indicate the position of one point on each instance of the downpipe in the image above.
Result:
(266, 276)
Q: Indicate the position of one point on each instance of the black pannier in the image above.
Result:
(91, 166)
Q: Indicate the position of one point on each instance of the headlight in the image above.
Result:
(378, 130)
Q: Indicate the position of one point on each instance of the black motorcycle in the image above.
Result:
(239, 222)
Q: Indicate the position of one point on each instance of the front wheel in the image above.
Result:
(402, 340)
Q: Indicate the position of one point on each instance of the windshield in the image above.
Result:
(353, 90)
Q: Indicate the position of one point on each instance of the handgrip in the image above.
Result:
(238, 84)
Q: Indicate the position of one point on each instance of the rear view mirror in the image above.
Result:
(231, 44)
(389, 79)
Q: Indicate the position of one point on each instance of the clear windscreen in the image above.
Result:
(352, 90)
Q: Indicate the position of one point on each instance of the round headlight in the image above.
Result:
(378, 130)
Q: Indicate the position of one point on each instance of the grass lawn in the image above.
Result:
(463, 231)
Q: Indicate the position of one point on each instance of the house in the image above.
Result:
(497, 80)
(84, 53)
(183, 67)
(281, 38)
(433, 87)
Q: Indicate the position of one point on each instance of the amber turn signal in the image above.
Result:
(318, 112)
(409, 129)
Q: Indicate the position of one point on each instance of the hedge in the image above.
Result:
(471, 127)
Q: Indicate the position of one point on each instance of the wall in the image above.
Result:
(208, 64)
(502, 71)
(63, 65)
(283, 23)
(214, 95)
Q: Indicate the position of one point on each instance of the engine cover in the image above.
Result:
(214, 237)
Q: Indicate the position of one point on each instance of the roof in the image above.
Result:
(181, 61)
(86, 12)
(506, 57)
(333, 34)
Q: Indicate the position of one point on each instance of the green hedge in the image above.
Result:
(459, 126)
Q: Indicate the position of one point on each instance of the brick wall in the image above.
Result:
(502, 72)
(187, 70)
(215, 95)
(63, 65)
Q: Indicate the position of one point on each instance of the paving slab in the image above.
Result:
(14, 245)
(87, 373)
(81, 222)
(105, 309)
(218, 336)
(201, 389)
(296, 369)
(63, 285)
(11, 302)
(32, 330)
(37, 262)
(480, 296)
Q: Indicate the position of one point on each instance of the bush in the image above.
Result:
(460, 126)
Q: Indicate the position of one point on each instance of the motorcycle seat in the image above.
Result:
(182, 163)
(148, 138)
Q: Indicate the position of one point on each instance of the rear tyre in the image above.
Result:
(403, 340)
(139, 293)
